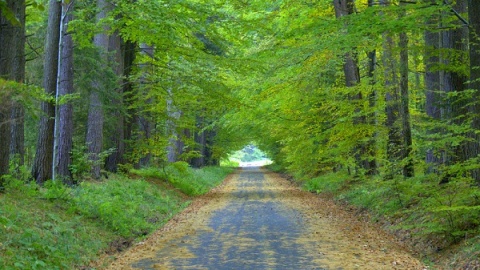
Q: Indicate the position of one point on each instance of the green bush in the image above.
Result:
(130, 208)
(188, 180)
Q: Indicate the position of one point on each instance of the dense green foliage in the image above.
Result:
(189, 181)
(59, 227)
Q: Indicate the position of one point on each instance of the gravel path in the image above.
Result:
(258, 220)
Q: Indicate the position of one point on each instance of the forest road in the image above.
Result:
(258, 220)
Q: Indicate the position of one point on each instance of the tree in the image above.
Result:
(12, 61)
(94, 136)
(117, 134)
(64, 118)
(17, 143)
(433, 100)
(43, 162)
(351, 71)
(473, 147)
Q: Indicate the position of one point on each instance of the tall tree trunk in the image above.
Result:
(11, 37)
(370, 160)
(117, 135)
(42, 164)
(454, 81)
(94, 137)
(64, 135)
(17, 143)
(433, 98)
(399, 143)
(129, 52)
(392, 109)
(352, 78)
(408, 170)
(174, 142)
(145, 124)
(473, 147)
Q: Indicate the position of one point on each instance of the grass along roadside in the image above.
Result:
(58, 227)
(441, 222)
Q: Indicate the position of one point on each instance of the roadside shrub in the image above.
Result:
(130, 208)
(188, 180)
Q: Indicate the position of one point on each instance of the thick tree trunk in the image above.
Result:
(473, 147)
(454, 81)
(64, 136)
(11, 38)
(433, 98)
(42, 164)
(117, 135)
(94, 137)
(17, 143)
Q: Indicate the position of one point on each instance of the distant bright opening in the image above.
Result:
(250, 156)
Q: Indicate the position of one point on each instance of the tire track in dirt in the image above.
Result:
(258, 220)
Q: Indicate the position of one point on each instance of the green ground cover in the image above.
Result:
(59, 227)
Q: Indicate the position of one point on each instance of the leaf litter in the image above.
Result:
(329, 236)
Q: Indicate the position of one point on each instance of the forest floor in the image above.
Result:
(258, 220)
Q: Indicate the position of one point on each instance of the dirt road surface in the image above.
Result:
(258, 220)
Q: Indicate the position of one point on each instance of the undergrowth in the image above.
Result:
(59, 227)
(441, 215)
(188, 180)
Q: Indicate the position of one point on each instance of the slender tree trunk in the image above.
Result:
(129, 96)
(352, 78)
(200, 144)
(42, 164)
(371, 162)
(473, 147)
(64, 136)
(392, 109)
(408, 170)
(94, 137)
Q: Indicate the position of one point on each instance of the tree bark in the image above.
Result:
(129, 53)
(454, 109)
(17, 143)
(363, 151)
(64, 136)
(200, 144)
(117, 135)
(43, 162)
(433, 98)
(94, 137)
(144, 119)
(408, 170)
(473, 147)
(392, 109)
(12, 35)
